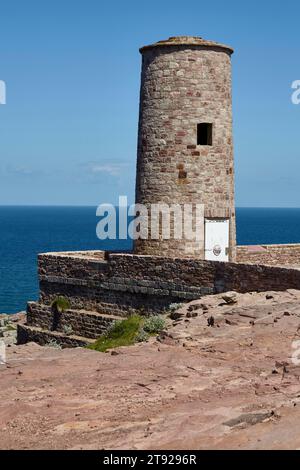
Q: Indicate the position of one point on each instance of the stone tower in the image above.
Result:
(185, 148)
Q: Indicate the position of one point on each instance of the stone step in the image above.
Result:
(45, 337)
(86, 323)
(99, 314)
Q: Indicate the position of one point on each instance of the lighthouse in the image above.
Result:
(185, 144)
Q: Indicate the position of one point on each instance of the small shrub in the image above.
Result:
(60, 304)
(175, 306)
(111, 326)
(154, 324)
(141, 336)
(68, 330)
(52, 343)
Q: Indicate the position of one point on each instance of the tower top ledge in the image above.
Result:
(186, 41)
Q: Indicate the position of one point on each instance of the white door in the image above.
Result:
(216, 239)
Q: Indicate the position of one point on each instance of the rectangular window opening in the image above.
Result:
(204, 133)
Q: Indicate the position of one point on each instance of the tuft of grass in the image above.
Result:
(135, 328)
(122, 333)
(60, 304)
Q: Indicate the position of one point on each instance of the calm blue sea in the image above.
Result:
(27, 231)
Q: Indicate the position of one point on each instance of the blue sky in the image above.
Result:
(72, 69)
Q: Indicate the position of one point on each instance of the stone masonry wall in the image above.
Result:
(273, 255)
(27, 334)
(122, 285)
(126, 283)
(79, 322)
(181, 87)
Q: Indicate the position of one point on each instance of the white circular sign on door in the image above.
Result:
(217, 250)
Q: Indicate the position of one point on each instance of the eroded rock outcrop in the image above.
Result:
(233, 383)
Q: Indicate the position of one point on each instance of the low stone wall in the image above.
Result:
(126, 283)
(77, 265)
(27, 333)
(79, 322)
(272, 255)
(104, 287)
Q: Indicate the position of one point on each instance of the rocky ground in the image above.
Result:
(224, 375)
(8, 327)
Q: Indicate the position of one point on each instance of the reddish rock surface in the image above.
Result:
(230, 385)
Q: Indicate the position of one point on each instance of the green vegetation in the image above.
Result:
(154, 324)
(122, 333)
(126, 332)
(141, 336)
(67, 330)
(52, 343)
(60, 304)
(173, 307)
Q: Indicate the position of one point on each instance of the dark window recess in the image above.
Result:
(182, 174)
(204, 134)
